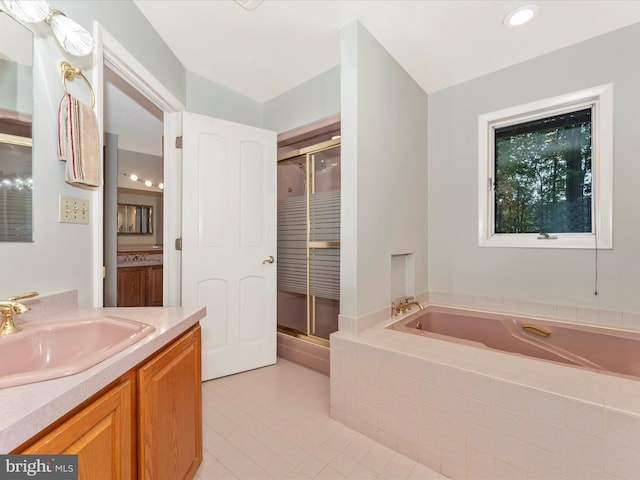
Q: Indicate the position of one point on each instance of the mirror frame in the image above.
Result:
(141, 217)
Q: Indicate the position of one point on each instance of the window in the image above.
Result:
(545, 173)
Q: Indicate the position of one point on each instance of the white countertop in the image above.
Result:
(27, 409)
(139, 263)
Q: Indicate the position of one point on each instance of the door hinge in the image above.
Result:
(179, 142)
(179, 243)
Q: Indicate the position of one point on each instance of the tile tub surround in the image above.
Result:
(516, 306)
(474, 413)
(27, 409)
(526, 307)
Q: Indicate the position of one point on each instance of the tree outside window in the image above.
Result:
(543, 175)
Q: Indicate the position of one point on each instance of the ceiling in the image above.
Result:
(283, 43)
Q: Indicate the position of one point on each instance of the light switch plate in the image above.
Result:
(73, 210)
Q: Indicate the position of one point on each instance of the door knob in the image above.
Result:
(268, 260)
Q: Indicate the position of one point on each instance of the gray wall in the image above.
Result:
(384, 174)
(456, 263)
(310, 101)
(209, 98)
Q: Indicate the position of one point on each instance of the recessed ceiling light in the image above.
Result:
(521, 15)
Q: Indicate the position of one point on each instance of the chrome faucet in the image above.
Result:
(406, 303)
(8, 308)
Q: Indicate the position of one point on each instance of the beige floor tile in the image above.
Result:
(273, 423)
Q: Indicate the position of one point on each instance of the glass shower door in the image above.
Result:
(309, 241)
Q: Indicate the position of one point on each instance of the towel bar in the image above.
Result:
(70, 73)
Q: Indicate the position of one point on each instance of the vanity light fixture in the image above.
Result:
(148, 183)
(74, 39)
(27, 12)
(521, 15)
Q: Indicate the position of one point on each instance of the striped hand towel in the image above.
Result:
(79, 142)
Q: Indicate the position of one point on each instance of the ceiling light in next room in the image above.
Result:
(521, 15)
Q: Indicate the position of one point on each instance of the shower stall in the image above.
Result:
(309, 241)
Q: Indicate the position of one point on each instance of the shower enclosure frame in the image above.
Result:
(309, 153)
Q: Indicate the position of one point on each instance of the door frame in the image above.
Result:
(110, 52)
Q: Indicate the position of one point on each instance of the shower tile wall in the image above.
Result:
(466, 424)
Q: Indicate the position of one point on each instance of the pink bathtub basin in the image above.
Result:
(595, 348)
(52, 350)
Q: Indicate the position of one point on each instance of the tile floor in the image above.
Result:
(273, 423)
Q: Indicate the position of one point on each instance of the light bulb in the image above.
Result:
(161, 186)
(134, 178)
(148, 183)
(32, 11)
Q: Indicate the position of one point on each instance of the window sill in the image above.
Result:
(586, 241)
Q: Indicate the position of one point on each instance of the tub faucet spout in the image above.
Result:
(406, 306)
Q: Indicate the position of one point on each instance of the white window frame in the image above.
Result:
(601, 98)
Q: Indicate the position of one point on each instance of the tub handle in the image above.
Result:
(536, 330)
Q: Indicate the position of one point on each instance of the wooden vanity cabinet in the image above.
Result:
(147, 424)
(170, 411)
(140, 286)
(154, 286)
(132, 286)
(102, 434)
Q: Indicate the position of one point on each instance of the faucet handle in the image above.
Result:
(23, 296)
(7, 326)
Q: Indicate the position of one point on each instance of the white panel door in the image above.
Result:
(229, 241)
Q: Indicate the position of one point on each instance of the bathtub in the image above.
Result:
(595, 348)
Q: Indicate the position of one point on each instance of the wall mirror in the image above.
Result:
(135, 219)
(16, 113)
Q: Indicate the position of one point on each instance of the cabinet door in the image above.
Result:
(101, 434)
(154, 286)
(170, 411)
(132, 282)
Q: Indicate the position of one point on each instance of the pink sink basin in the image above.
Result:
(45, 351)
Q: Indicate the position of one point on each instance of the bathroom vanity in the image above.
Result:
(137, 414)
(140, 277)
